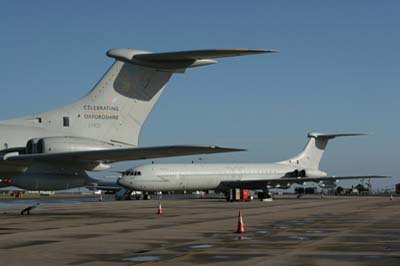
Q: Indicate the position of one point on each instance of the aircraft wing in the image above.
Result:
(103, 185)
(120, 154)
(288, 181)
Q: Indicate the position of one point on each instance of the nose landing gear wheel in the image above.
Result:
(147, 197)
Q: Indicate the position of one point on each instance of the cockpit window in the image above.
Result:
(129, 172)
(134, 173)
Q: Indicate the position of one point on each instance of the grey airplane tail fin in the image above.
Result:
(311, 156)
(116, 108)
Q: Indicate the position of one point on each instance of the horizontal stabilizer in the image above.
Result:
(331, 136)
(179, 60)
(200, 54)
(311, 156)
(326, 178)
(287, 182)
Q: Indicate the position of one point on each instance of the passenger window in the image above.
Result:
(66, 121)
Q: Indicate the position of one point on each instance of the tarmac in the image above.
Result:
(288, 231)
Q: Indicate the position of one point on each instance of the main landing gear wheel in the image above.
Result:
(265, 195)
(147, 197)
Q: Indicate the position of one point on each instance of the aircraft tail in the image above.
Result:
(311, 156)
(116, 108)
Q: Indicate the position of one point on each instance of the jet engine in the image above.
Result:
(282, 186)
(65, 144)
(328, 184)
(296, 173)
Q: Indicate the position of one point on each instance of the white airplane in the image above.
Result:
(53, 150)
(222, 177)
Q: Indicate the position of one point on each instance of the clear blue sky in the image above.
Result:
(338, 70)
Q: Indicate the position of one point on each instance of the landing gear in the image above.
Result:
(228, 198)
(265, 195)
(138, 196)
(123, 194)
(229, 195)
(147, 196)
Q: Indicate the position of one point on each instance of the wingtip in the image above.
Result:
(357, 134)
(239, 149)
(333, 135)
(262, 51)
(228, 149)
(249, 50)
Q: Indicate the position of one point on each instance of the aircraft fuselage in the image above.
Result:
(169, 177)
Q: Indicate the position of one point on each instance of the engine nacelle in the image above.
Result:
(315, 173)
(65, 144)
(329, 184)
(44, 181)
(296, 173)
(282, 186)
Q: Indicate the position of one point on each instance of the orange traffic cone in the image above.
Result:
(159, 210)
(240, 225)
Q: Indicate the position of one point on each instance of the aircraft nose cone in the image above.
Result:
(123, 181)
